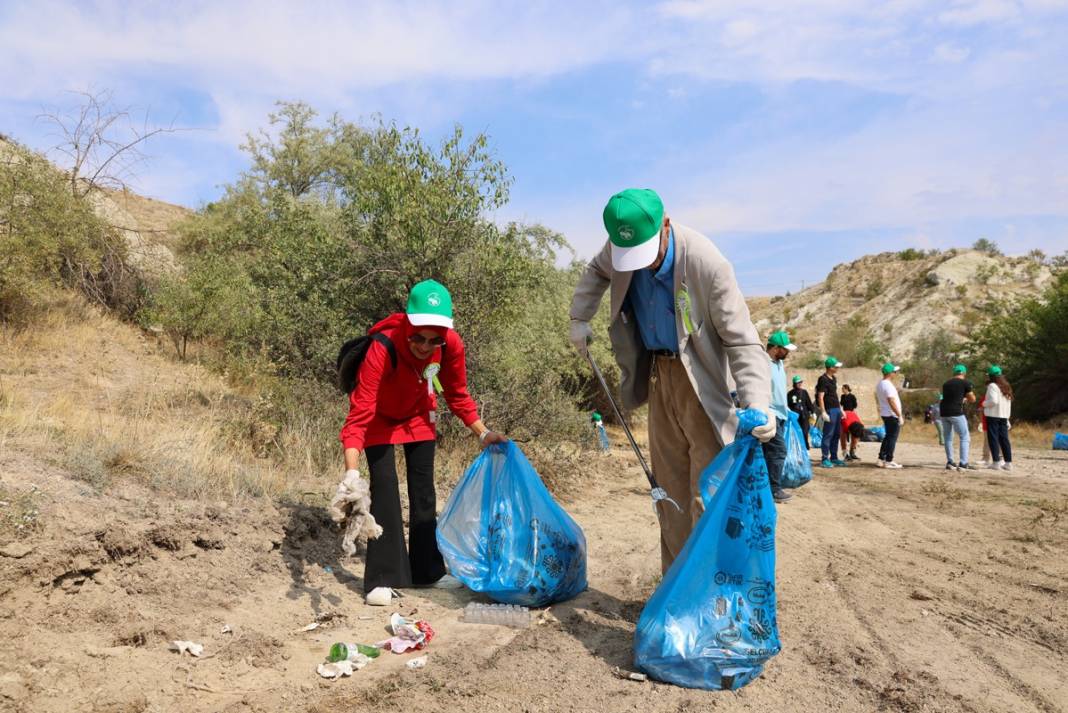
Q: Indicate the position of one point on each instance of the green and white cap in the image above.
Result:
(994, 370)
(633, 219)
(960, 369)
(430, 305)
(889, 368)
(798, 379)
(831, 363)
(781, 339)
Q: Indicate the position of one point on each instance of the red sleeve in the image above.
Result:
(363, 401)
(454, 380)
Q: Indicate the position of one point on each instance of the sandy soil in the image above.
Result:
(915, 590)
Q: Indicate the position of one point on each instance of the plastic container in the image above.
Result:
(511, 615)
(344, 652)
(602, 437)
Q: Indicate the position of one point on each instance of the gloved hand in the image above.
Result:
(766, 432)
(581, 335)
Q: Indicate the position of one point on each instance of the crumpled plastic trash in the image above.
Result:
(352, 505)
(334, 671)
(417, 663)
(193, 648)
(379, 597)
(407, 636)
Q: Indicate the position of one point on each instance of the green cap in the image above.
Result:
(889, 368)
(960, 369)
(430, 305)
(596, 416)
(633, 219)
(798, 379)
(994, 370)
(831, 362)
(781, 339)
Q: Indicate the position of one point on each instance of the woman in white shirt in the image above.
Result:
(998, 408)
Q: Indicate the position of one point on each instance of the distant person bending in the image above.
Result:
(955, 393)
(828, 405)
(890, 411)
(852, 433)
(801, 403)
(998, 409)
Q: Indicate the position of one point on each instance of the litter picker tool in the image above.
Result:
(656, 491)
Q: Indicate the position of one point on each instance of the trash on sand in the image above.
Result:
(328, 569)
(227, 629)
(181, 647)
(501, 614)
(338, 669)
(417, 663)
(407, 636)
(629, 675)
(346, 652)
(379, 597)
(311, 627)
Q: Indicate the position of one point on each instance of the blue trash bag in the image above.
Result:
(502, 534)
(815, 437)
(879, 432)
(1060, 441)
(797, 469)
(711, 623)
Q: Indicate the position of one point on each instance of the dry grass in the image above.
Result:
(1029, 435)
(99, 399)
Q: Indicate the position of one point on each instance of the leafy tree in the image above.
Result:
(985, 245)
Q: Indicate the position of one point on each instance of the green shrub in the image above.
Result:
(909, 254)
(854, 344)
(932, 359)
(984, 245)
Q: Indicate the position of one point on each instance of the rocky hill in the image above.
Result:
(902, 297)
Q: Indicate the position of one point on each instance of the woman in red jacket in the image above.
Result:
(394, 405)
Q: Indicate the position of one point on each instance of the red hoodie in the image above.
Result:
(394, 405)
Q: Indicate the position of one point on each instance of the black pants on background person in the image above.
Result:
(893, 428)
(389, 562)
(997, 435)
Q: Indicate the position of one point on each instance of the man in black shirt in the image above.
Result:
(828, 405)
(800, 403)
(955, 393)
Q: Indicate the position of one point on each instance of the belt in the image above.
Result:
(666, 353)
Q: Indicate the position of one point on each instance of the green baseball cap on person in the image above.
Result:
(960, 369)
(889, 368)
(430, 305)
(994, 370)
(798, 379)
(633, 219)
(831, 363)
(781, 339)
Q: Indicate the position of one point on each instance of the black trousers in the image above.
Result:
(389, 562)
(997, 435)
(893, 428)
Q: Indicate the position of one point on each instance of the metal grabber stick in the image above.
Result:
(657, 492)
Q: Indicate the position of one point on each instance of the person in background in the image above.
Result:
(889, 403)
(955, 393)
(935, 411)
(848, 399)
(800, 403)
(985, 461)
(778, 348)
(852, 433)
(998, 409)
(828, 406)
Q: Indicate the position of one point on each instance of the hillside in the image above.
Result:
(902, 297)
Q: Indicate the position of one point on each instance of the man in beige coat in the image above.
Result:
(683, 338)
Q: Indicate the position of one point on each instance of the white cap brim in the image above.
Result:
(430, 320)
(637, 257)
(790, 347)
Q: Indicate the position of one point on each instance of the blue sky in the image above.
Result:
(795, 134)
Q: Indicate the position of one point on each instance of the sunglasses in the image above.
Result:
(420, 340)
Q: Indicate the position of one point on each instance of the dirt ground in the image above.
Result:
(914, 590)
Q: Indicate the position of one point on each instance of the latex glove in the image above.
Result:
(766, 432)
(581, 335)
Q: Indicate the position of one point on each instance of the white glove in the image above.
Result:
(581, 335)
(766, 432)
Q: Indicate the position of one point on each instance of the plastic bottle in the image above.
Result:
(498, 614)
(343, 652)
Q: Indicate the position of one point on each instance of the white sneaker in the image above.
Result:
(880, 464)
(991, 465)
(1005, 466)
(892, 464)
(447, 582)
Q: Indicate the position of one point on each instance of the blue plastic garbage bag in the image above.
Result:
(711, 623)
(1060, 441)
(797, 469)
(815, 437)
(879, 432)
(502, 534)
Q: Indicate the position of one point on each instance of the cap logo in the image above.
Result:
(626, 232)
(433, 299)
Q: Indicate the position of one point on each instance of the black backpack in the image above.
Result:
(352, 355)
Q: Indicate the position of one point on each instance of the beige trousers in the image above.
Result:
(682, 442)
